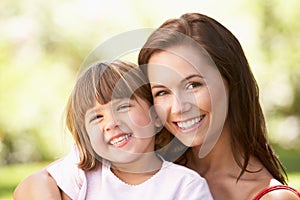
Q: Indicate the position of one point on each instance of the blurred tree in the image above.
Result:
(43, 44)
(38, 64)
(280, 44)
(42, 47)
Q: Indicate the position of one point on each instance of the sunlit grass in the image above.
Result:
(294, 180)
(11, 175)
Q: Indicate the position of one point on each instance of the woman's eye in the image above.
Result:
(193, 85)
(160, 93)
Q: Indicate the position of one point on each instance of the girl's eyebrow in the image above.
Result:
(182, 81)
(91, 111)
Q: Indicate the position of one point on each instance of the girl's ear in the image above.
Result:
(157, 121)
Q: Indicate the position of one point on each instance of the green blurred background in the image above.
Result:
(44, 43)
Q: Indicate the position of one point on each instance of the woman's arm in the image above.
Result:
(279, 195)
(39, 185)
(278, 192)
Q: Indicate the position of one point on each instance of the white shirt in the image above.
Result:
(171, 182)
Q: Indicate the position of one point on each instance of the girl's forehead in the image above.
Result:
(97, 106)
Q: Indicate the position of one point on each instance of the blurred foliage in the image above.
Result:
(279, 41)
(43, 44)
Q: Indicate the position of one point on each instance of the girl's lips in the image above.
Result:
(120, 140)
(188, 125)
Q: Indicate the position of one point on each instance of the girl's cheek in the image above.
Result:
(140, 119)
(93, 131)
(161, 110)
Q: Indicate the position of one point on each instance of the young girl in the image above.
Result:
(110, 117)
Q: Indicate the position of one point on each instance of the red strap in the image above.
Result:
(275, 187)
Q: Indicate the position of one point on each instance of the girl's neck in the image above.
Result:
(138, 171)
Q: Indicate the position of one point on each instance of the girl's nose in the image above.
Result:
(110, 122)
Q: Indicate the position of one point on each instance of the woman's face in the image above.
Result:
(189, 94)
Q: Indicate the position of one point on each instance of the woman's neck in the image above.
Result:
(221, 171)
(219, 159)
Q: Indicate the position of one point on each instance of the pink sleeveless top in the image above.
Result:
(275, 187)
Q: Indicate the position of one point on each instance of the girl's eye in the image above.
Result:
(96, 117)
(123, 107)
(193, 85)
(160, 93)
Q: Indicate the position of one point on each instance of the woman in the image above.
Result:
(209, 101)
(205, 92)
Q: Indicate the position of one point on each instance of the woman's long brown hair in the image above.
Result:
(247, 123)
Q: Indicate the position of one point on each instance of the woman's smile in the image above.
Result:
(190, 124)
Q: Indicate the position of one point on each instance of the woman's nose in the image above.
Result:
(179, 105)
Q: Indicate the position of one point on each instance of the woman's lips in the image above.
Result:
(190, 124)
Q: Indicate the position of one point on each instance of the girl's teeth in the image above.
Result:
(190, 123)
(120, 139)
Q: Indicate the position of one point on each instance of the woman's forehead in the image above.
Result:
(178, 61)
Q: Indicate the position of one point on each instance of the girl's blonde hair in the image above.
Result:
(101, 82)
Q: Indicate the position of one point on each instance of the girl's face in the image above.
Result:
(189, 95)
(122, 130)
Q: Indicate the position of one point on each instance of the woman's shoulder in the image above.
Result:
(37, 185)
(42, 182)
(279, 192)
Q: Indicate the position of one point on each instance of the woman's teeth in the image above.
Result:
(119, 140)
(189, 123)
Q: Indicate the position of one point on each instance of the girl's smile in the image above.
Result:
(120, 140)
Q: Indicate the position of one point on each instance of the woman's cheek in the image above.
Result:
(204, 100)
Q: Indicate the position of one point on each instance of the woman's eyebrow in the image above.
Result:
(192, 76)
(182, 81)
(157, 86)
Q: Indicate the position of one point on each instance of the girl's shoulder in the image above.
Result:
(179, 170)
